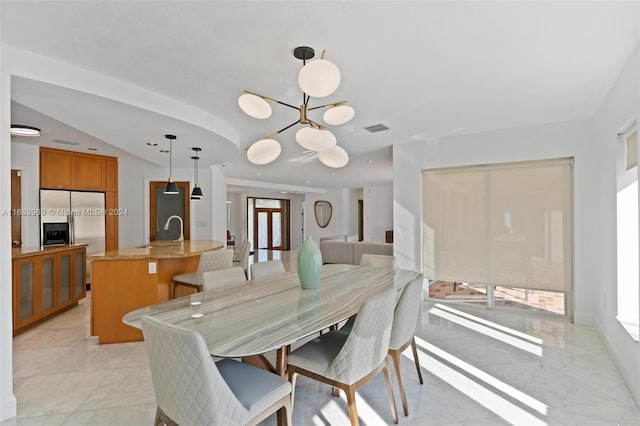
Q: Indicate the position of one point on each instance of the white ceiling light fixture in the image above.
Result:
(21, 130)
(319, 79)
(335, 157)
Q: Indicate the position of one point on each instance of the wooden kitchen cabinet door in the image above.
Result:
(56, 170)
(89, 173)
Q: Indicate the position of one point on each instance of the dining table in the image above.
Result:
(261, 315)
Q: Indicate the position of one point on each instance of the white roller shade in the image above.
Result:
(506, 224)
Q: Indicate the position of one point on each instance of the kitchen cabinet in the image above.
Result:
(113, 215)
(61, 169)
(89, 173)
(46, 282)
(111, 171)
(77, 171)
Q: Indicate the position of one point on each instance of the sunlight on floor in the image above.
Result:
(483, 395)
(488, 331)
(490, 324)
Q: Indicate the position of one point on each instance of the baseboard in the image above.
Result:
(627, 376)
(584, 320)
(8, 408)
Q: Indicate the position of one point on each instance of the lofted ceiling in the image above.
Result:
(426, 70)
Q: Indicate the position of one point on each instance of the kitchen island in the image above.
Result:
(127, 279)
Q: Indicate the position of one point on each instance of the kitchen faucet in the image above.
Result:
(166, 226)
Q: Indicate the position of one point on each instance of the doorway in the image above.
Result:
(162, 205)
(268, 223)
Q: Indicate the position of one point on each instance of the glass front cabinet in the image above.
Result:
(45, 283)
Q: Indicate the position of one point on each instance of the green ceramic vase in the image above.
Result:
(309, 264)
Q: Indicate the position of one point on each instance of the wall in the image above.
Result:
(296, 213)
(350, 199)
(8, 403)
(26, 158)
(567, 139)
(378, 212)
(621, 105)
(336, 224)
(134, 176)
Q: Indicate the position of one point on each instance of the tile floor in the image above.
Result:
(480, 368)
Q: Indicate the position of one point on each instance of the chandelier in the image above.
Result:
(318, 79)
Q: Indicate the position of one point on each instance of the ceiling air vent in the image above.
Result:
(63, 142)
(377, 128)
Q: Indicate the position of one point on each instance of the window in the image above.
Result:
(628, 269)
(501, 225)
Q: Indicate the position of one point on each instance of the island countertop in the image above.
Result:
(160, 250)
(20, 252)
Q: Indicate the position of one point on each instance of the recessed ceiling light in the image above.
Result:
(152, 144)
(92, 149)
(369, 161)
(333, 173)
(258, 174)
(20, 130)
(164, 151)
(308, 181)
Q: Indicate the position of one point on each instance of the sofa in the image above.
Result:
(336, 250)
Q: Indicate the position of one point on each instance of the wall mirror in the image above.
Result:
(323, 211)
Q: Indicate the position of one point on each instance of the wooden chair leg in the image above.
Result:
(158, 421)
(285, 413)
(395, 356)
(351, 402)
(335, 392)
(416, 359)
(392, 400)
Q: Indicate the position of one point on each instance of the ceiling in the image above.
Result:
(427, 70)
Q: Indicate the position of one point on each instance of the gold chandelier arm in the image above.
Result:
(331, 105)
(324, 51)
(271, 99)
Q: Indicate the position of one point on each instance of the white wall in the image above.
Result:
(567, 139)
(378, 212)
(621, 105)
(336, 224)
(26, 158)
(350, 199)
(7, 398)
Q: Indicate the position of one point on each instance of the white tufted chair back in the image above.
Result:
(215, 260)
(264, 269)
(368, 343)
(223, 278)
(405, 317)
(187, 383)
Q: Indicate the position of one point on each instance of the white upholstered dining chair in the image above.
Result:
(349, 361)
(209, 261)
(193, 390)
(265, 269)
(223, 278)
(403, 329)
(241, 256)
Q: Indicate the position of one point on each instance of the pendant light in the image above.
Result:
(171, 187)
(196, 194)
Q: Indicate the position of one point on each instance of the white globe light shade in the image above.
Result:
(319, 78)
(315, 139)
(254, 106)
(335, 157)
(264, 151)
(338, 115)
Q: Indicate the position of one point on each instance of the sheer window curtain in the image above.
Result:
(507, 224)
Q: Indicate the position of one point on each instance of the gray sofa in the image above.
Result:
(341, 251)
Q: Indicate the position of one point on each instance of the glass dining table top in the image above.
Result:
(264, 314)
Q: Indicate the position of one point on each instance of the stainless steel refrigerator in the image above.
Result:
(82, 212)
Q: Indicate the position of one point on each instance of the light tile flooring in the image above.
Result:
(480, 368)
